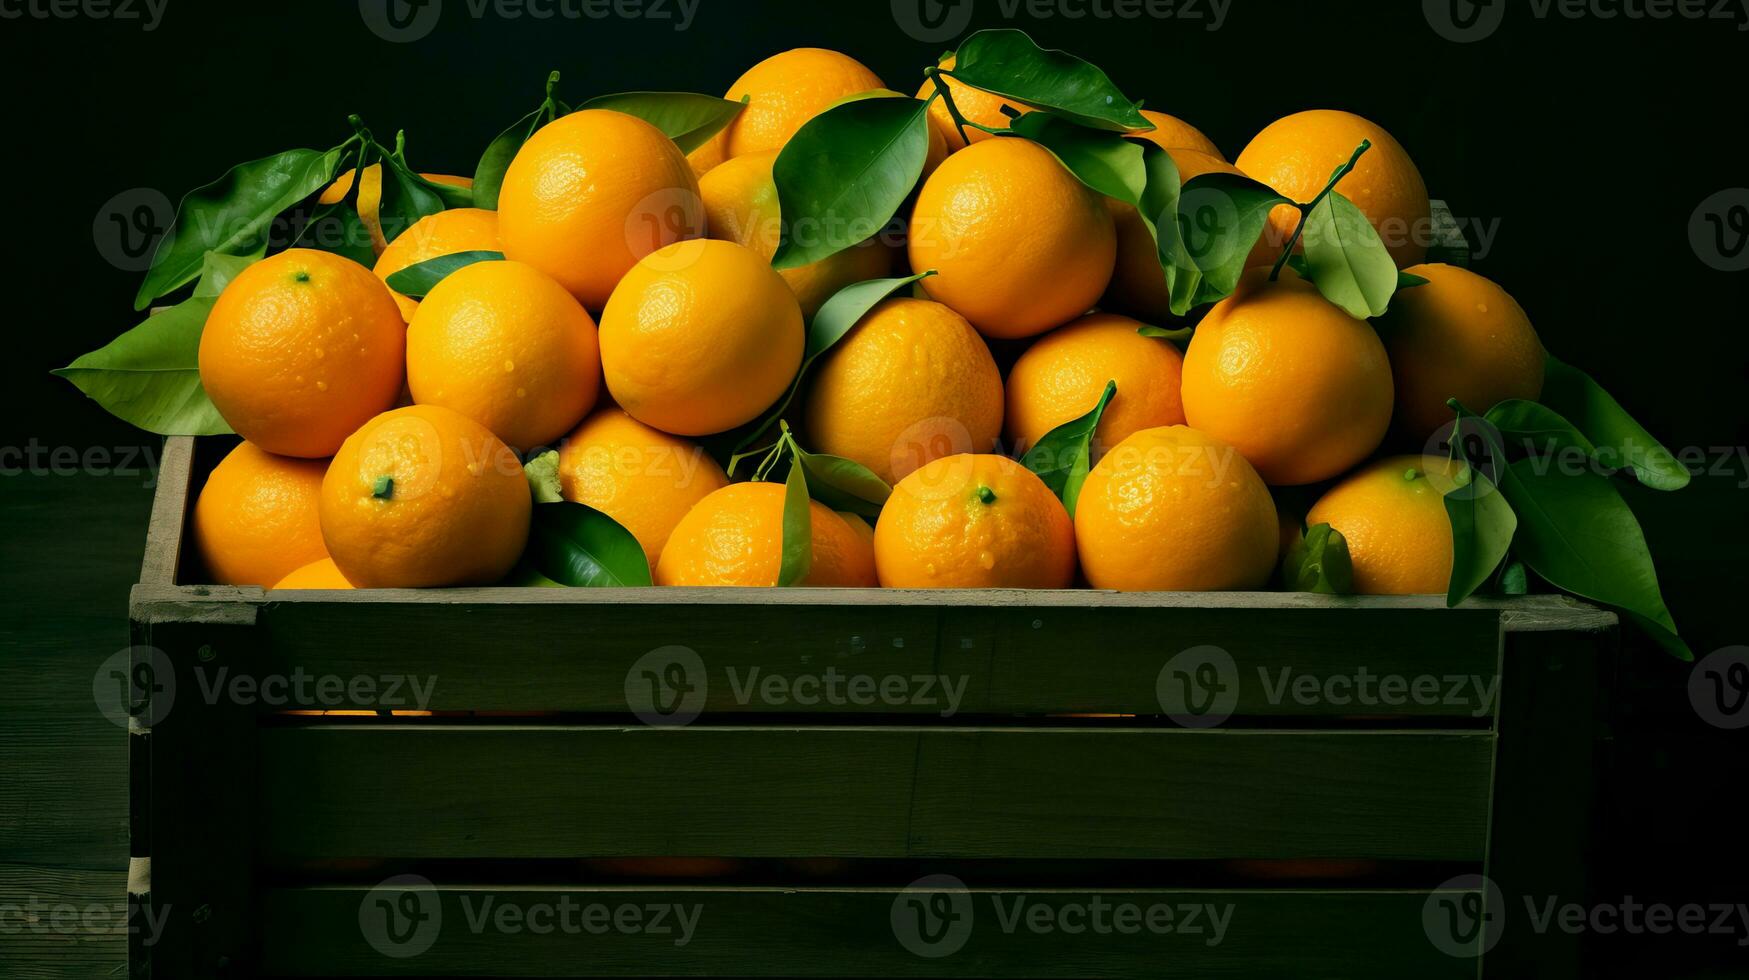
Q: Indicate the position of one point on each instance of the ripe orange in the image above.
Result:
(320, 574)
(1172, 509)
(740, 206)
(735, 537)
(1138, 286)
(370, 198)
(424, 496)
(974, 105)
(508, 347)
(443, 233)
(1297, 154)
(255, 520)
(300, 349)
(1298, 386)
(644, 479)
(911, 382)
(700, 337)
(1460, 336)
(785, 91)
(1020, 245)
(1172, 133)
(974, 522)
(592, 193)
(1061, 377)
(1392, 513)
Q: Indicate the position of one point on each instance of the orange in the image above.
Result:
(974, 104)
(424, 496)
(1460, 336)
(370, 198)
(911, 382)
(1392, 513)
(1020, 245)
(508, 347)
(1297, 154)
(700, 337)
(707, 156)
(786, 90)
(1061, 377)
(644, 479)
(592, 193)
(1289, 379)
(735, 537)
(1138, 286)
(1172, 133)
(740, 206)
(443, 233)
(974, 522)
(321, 574)
(300, 349)
(255, 520)
(1172, 509)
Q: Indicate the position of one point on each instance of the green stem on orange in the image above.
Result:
(1306, 209)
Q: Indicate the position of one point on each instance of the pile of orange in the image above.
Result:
(385, 437)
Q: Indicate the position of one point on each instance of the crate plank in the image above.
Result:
(816, 932)
(439, 791)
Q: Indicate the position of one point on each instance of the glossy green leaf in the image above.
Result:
(1482, 527)
(1008, 63)
(1514, 580)
(689, 119)
(543, 477)
(1158, 208)
(845, 174)
(1319, 562)
(579, 546)
(419, 279)
(218, 270)
(1347, 261)
(798, 530)
(489, 172)
(1166, 333)
(407, 197)
(1537, 429)
(1621, 442)
(1408, 280)
(150, 375)
(1062, 458)
(1105, 161)
(233, 215)
(1220, 217)
(844, 484)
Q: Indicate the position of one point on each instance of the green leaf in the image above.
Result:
(1577, 532)
(218, 270)
(1621, 442)
(1159, 210)
(1220, 218)
(1408, 280)
(1319, 562)
(836, 317)
(233, 215)
(844, 484)
(1164, 333)
(581, 547)
(1537, 429)
(407, 197)
(1008, 63)
(1482, 526)
(419, 279)
(845, 174)
(1348, 263)
(798, 530)
(523, 576)
(543, 477)
(150, 376)
(1672, 644)
(1105, 161)
(688, 119)
(1063, 457)
(1514, 580)
(489, 172)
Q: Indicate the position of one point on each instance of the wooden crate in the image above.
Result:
(1327, 833)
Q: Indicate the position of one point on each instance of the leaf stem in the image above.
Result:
(1307, 208)
(959, 121)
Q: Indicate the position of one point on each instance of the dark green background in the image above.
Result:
(1586, 144)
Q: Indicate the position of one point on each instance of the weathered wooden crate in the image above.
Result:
(1071, 777)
